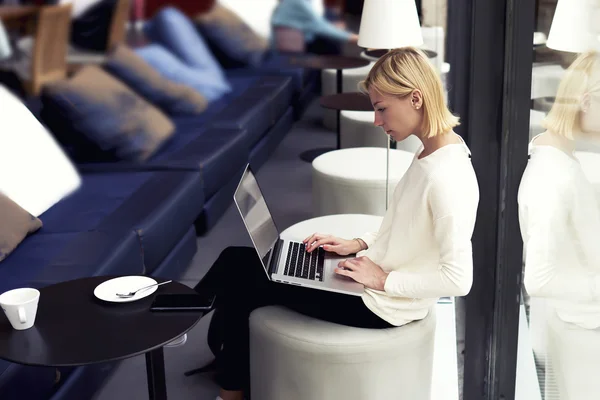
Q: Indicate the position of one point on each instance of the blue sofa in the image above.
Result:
(143, 218)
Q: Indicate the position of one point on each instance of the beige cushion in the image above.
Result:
(119, 122)
(15, 225)
(172, 97)
(228, 33)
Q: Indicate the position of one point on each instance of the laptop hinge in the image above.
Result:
(273, 264)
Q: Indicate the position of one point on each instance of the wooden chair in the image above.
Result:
(47, 61)
(289, 40)
(117, 34)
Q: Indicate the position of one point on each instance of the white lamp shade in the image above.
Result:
(389, 24)
(575, 26)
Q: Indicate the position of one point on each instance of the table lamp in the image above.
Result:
(574, 26)
(389, 24)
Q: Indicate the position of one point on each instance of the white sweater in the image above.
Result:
(424, 241)
(560, 222)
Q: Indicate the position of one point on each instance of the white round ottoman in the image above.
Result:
(353, 181)
(350, 79)
(294, 357)
(359, 130)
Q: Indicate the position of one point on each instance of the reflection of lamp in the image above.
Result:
(574, 27)
(389, 24)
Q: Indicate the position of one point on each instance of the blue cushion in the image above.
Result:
(173, 30)
(172, 68)
(158, 206)
(230, 38)
(215, 152)
(171, 97)
(98, 117)
(50, 258)
(258, 108)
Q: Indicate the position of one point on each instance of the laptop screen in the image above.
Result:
(256, 215)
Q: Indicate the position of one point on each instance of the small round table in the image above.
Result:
(74, 328)
(320, 62)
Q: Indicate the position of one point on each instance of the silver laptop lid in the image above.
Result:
(256, 216)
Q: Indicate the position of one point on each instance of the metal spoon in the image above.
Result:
(131, 294)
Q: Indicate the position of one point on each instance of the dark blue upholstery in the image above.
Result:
(158, 206)
(21, 382)
(258, 108)
(43, 259)
(305, 82)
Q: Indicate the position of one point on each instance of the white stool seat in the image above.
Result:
(359, 130)
(295, 357)
(353, 181)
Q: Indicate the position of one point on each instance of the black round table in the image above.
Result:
(350, 101)
(338, 63)
(74, 328)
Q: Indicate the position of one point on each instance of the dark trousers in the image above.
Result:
(241, 285)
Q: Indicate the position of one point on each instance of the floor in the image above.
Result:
(289, 203)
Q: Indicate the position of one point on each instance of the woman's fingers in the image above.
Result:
(313, 238)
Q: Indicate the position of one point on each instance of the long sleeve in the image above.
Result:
(453, 204)
(545, 224)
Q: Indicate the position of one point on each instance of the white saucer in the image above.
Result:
(108, 290)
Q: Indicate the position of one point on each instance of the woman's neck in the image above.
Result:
(437, 142)
(550, 138)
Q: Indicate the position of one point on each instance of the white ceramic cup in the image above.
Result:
(20, 307)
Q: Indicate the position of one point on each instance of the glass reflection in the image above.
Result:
(559, 217)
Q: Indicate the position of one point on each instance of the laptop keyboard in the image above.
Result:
(305, 265)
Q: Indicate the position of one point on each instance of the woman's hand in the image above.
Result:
(337, 245)
(363, 270)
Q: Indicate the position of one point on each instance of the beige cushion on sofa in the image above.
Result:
(109, 114)
(15, 225)
(171, 97)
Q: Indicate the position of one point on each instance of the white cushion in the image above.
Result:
(353, 181)
(34, 171)
(295, 357)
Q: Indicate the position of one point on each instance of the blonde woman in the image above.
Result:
(422, 251)
(560, 221)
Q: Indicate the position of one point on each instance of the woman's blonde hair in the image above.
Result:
(399, 72)
(582, 77)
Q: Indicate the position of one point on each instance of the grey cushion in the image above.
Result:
(15, 225)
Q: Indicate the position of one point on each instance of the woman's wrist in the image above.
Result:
(361, 244)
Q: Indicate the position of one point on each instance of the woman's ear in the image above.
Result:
(416, 99)
(585, 102)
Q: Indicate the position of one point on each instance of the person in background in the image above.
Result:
(321, 36)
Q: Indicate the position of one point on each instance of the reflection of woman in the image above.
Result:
(423, 248)
(560, 224)
(558, 211)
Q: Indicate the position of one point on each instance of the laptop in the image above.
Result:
(287, 261)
